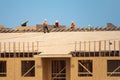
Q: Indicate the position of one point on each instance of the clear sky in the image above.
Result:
(82, 12)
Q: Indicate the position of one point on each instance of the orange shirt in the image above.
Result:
(44, 23)
(73, 25)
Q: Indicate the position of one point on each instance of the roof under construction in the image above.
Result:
(57, 42)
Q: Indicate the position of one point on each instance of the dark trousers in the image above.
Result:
(45, 28)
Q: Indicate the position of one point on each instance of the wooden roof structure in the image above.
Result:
(58, 42)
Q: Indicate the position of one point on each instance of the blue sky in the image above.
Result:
(82, 12)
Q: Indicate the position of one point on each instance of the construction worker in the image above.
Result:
(73, 25)
(89, 27)
(56, 24)
(45, 26)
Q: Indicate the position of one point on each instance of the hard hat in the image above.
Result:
(56, 21)
(45, 19)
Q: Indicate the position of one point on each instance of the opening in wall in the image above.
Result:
(85, 68)
(28, 68)
(113, 68)
(58, 70)
(3, 69)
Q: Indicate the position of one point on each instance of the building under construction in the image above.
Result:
(26, 53)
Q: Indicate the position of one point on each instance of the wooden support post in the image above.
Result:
(4, 46)
(9, 48)
(84, 48)
(28, 46)
(37, 46)
(33, 47)
(75, 45)
(94, 47)
(89, 48)
(0, 49)
(80, 46)
(23, 47)
(119, 48)
(104, 47)
(99, 48)
(109, 47)
(114, 48)
(19, 49)
(28, 49)
(14, 49)
(14, 46)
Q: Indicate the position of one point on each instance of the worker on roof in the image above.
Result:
(45, 26)
(56, 25)
(73, 25)
(89, 27)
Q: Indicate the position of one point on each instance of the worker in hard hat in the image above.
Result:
(56, 24)
(45, 26)
(73, 25)
(89, 27)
